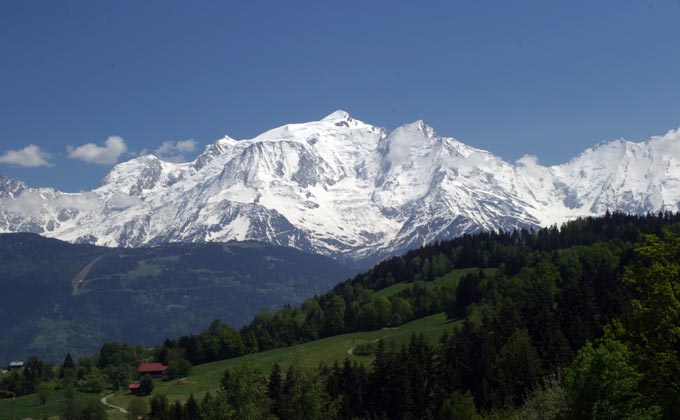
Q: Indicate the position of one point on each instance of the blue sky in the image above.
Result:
(548, 78)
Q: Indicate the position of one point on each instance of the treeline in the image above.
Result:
(113, 368)
(415, 383)
(352, 305)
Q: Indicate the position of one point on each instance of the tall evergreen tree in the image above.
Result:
(159, 408)
(193, 411)
(68, 367)
(275, 389)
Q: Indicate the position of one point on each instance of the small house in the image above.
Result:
(156, 370)
(15, 365)
(134, 389)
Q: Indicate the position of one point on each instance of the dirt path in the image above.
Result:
(104, 401)
(350, 351)
(80, 277)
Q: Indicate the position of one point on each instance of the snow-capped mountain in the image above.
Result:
(347, 189)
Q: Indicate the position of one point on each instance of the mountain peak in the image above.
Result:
(10, 186)
(419, 126)
(226, 141)
(337, 116)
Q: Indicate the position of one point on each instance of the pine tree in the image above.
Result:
(68, 368)
(275, 389)
(177, 412)
(193, 411)
(160, 408)
(146, 385)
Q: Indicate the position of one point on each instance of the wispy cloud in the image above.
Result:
(32, 204)
(108, 154)
(29, 156)
(85, 202)
(121, 201)
(27, 203)
(174, 151)
(531, 166)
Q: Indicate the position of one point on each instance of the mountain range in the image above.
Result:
(343, 188)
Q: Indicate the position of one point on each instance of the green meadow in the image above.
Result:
(450, 279)
(28, 407)
(206, 377)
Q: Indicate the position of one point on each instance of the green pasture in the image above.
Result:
(450, 279)
(28, 407)
(207, 377)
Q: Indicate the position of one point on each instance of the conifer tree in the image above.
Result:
(193, 411)
(68, 368)
(275, 389)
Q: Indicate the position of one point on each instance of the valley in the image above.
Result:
(490, 336)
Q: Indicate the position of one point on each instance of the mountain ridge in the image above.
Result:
(347, 189)
(80, 296)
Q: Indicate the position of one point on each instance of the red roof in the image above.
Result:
(152, 368)
(132, 387)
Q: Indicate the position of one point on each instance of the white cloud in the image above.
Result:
(527, 160)
(30, 156)
(530, 165)
(472, 162)
(85, 202)
(31, 204)
(27, 203)
(108, 154)
(121, 201)
(173, 151)
(668, 144)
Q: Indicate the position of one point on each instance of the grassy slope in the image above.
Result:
(27, 406)
(207, 377)
(451, 278)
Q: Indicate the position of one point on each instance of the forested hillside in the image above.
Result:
(59, 297)
(581, 320)
(570, 323)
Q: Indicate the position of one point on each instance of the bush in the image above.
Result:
(137, 409)
(146, 385)
(178, 369)
(92, 384)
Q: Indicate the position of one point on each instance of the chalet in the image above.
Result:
(156, 370)
(15, 365)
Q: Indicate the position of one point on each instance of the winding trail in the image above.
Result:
(105, 401)
(350, 351)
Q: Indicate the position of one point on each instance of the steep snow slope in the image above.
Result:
(345, 188)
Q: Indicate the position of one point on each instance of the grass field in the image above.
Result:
(27, 405)
(207, 377)
(451, 278)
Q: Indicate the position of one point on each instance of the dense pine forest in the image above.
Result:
(576, 322)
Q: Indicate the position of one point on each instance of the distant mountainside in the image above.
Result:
(59, 297)
(346, 189)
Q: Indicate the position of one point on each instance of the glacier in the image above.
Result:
(347, 189)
